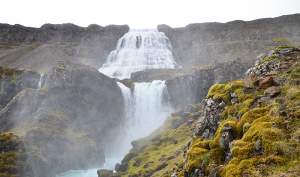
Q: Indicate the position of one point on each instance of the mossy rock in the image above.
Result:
(103, 173)
(129, 156)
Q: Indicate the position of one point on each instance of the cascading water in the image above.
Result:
(145, 109)
(138, 50)
(40, 82)
(147, 106)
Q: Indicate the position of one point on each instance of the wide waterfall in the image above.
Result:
(147, 106)
(138, 50)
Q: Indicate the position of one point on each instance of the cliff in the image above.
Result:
(200, 44)
(64, 124)
(41, 48)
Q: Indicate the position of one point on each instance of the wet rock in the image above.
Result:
(103, 173)
(272, 91)
(117, 166)
(123, 167)
(267, 82)
(248, 82)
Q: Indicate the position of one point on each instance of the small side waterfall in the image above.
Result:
(138, 50)
(41, 81)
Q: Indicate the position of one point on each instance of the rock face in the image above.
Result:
(191, 89)
(64, 124)
(41, 48)
(199, 44)
(13, 81)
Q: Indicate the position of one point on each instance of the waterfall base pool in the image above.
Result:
(109, 165)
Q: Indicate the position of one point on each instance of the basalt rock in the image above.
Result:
(200, 44)
(41, 48)
(191, 89)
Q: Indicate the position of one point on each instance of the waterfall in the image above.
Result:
(138, 50)
(40, 82)
(145, 110)
(147, 106)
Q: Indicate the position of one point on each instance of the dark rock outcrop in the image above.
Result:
(66, 117)
(191, 89)
(41, 48)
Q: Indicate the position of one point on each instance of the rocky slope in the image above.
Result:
(65, 123)
(200, 44)
(247, 127)
(41, 48)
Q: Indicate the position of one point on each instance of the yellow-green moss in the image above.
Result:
(223, 90)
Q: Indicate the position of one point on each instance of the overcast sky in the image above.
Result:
(141, 13)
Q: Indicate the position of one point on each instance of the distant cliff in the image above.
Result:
(200, 44)
(41, 48)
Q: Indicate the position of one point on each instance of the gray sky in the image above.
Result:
(141, 13)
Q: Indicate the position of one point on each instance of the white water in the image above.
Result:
(146, 109)
(147, 106)
(40, 82)
(138, 50)
(109, 165)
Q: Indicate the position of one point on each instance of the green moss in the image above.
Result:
(194, 158)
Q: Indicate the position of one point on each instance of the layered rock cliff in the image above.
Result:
(200, 44)
(40, 48)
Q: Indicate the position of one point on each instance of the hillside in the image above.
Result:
(246, 127)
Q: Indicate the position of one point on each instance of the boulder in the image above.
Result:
(248, 82)
(103, 173)
(272, 91)
(123, 167)
(294, 81)
(267, 82)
